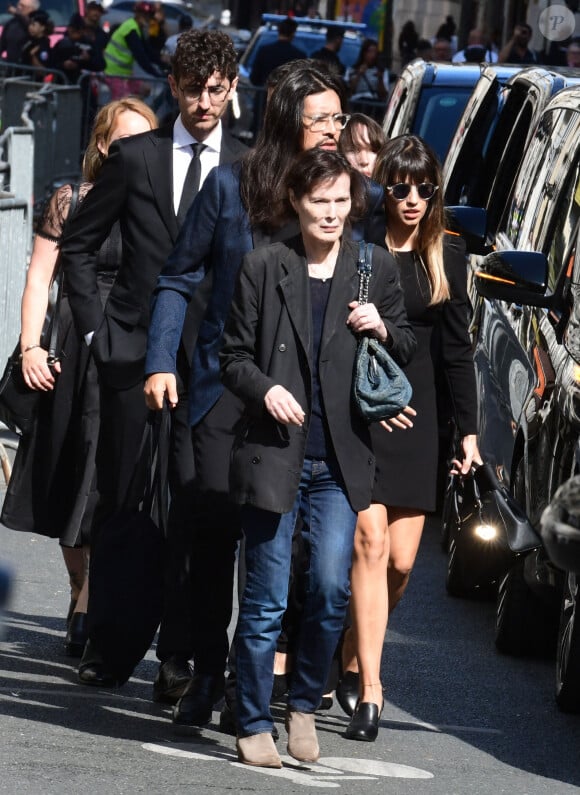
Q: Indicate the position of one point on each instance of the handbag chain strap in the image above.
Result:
(365, 268)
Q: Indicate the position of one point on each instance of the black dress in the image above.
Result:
(52, 489)
(406, 473)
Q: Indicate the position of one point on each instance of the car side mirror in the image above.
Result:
(471, 223)
(520, 277)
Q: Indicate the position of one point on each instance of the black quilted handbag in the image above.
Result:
(381, 389)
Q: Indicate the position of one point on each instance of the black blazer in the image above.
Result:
(268, 341)
(135, 186)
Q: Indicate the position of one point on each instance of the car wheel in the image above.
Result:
(568, 651)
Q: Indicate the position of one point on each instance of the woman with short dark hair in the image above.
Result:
(301, 450)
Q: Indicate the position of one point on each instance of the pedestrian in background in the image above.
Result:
(517, 49)
(269, 56)
(329, 53)
(15, 31)
(432, 270)
(408, 40)
(75, 52)
(361, 141)
(367, 78)
(36, 49)
(52, 489)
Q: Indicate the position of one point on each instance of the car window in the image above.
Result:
(473, 142)
(437, 115)
(505, 154)
(526, 205)
(565, 219)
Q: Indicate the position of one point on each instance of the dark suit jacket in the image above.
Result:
(135, 186)
(268, 341)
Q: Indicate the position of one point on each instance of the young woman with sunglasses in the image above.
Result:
(433, 276)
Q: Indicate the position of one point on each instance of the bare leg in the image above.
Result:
(75, 566)
(405, 530)
(386, 545)
(76, 560)
(369, 599)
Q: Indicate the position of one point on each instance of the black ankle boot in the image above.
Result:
(76, 635)
(364, 724)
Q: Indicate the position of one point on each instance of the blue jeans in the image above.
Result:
(328, 528)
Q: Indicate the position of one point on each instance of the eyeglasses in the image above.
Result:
(320, 123)
(400, 191)
(216, 94)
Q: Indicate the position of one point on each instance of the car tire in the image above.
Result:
(568, 650)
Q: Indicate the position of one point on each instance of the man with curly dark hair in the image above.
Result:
(146, 185)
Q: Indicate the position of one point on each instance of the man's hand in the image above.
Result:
(158, 387)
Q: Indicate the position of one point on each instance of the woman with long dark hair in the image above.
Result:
(433, 275)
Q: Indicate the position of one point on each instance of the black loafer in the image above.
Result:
(364, 724)
(347, 691)
(91, 669)
(77, 635)
(172, 679)
(195, 707)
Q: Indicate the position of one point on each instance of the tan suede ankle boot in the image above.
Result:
(302, 739)
(258, 750)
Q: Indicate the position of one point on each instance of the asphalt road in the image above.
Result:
(458, 717)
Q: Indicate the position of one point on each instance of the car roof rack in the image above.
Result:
(315, 23)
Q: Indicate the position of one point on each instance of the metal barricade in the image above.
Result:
(15, 239)
(35, 73)
(98, 89)
(55, 113)
(16, 169)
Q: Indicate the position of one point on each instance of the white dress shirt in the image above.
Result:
(182, 154)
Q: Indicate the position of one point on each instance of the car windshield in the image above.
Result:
(438, 112)
(309, 41)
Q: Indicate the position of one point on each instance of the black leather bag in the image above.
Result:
(381, 389)
(126, 581)
(19, 403)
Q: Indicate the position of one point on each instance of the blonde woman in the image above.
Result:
(51, 490)
(432, 270)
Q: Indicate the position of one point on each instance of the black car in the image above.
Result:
(527, 358)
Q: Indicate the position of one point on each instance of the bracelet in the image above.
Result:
(31, 347)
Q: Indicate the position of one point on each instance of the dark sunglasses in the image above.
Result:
(401, 190)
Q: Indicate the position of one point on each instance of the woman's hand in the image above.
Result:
(470, 456)
(283, 407)
(401, 421)
(36, 372)
(157, 387)
(365, 319)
